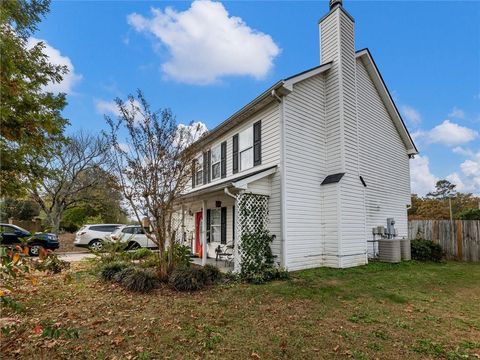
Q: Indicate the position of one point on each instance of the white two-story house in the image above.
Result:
(326, 147)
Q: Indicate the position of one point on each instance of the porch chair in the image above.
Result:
(225, 252)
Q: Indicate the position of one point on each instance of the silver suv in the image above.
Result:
(93, 236)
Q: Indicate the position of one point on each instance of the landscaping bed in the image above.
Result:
(385, 311)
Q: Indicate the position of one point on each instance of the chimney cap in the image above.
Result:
(333, 3)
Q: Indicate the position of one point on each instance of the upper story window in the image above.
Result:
(199, 170)
(245, 148)
(216, 158)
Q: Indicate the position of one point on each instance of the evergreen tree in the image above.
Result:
(31, 120)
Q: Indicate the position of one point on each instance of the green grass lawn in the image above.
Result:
(410, 310)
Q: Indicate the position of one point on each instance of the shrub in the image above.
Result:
(257, 258)
(122, 274)
(188, 278)
(426, 250)
(213, 273)
(150, 262)
(139, 280)
(178, 255)
(52, 264)
(279, 274)
(109, 270)
(470, 214)
(141, 253)
(112, 252)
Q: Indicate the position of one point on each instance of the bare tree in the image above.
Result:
(66, 177)
(153, 164)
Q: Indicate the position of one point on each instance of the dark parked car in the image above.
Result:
(11, 235)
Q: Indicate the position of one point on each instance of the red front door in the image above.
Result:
(198, 232)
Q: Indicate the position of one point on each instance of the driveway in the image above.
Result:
(72, 257)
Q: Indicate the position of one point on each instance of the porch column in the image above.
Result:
(183, 225)
(204, 232)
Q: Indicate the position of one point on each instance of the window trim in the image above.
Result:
(219, 162)
(212, 225)
(199, 170)
(250, 147)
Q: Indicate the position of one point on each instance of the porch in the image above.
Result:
(220, 264)
(212, 222)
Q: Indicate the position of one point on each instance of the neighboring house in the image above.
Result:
(328, 149)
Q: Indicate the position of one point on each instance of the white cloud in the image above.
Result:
(411, 114)
(466, 152)
(195, 129)
(469, 180)
(457, 113)
(454, 178)
(422, 180)
(107, 107)
(470, 168)
(450, 134)
(111, 108)
(190, 133)
(206, 43)
(70, 79)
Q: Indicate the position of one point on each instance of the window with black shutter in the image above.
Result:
(257, 143)
(205, 168)
(194, 173)
(223, 159)
(208, 225)
(223, 229)
(199, 170)
(235, 154)
(216, 156)
(209, 159)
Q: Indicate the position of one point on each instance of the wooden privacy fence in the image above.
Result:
(460, 239)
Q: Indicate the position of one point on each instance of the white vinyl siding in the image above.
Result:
(270, 145)
(304, 112)
(387, 192)
(270, 141)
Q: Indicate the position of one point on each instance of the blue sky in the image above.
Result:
(427, 52)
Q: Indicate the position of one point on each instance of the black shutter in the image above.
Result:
(235, 154)
(257, 143)
(223, 161)
(205, 167)
(209, 157)
(194, 173)
(208, 225)
(223, 231)
(233, 225)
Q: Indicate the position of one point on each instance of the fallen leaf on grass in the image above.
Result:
(117, 341)
(255, 355)
(37, 330)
